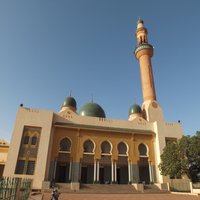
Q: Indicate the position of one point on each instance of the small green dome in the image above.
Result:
(69, 102)
(135, 108)
(92, 110)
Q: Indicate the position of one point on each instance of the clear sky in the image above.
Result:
(50, 47)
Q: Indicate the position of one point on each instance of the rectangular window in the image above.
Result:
(34, 140)
(27, 155)
(30, 167)
(26, 139)
(20, 167)
(170, 140)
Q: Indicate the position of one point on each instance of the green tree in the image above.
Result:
(182, 158)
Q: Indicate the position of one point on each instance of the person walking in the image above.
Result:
(55, 194)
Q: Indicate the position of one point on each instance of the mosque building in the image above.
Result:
(4, 146)
(85, 147)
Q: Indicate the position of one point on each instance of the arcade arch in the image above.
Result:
(87, 162)
(62, 171)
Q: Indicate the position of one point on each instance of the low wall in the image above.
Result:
(179, 185)
(138, 187)
(163, 186)
(195, 188)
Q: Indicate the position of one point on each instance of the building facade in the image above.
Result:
(85, 147)
(4, 146)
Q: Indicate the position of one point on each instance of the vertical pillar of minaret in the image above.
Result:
(144, 52)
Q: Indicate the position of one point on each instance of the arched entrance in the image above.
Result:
(143, 164)
(122, 164)
(105, 163)
(87, 163)
(63, 166)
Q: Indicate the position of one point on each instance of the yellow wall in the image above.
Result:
(79, 136)
(3, 154)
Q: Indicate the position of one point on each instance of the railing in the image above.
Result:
(14, 188)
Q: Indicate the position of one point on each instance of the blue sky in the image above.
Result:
(49, 48)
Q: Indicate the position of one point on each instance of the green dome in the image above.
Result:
(92, 110)
(135, 108)
(69, 102)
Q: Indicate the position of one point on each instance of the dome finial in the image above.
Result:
(140, 20)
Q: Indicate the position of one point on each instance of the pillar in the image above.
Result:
(70, 169)
(135, 173)
(150, 173)
(112, 171)
(129, 172)
(54, 170)
(115, 172)
(75, 175)
(95, 170)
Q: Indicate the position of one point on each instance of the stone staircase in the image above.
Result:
(153, 189)
(98, 189)
(107, 189)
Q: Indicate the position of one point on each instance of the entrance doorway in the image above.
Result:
(87, 174)
(144, 170)
(143, 164)
(62, 173)
(87, 163)
(105, 174)
(144, 174)
(122, 175)
(122, 170)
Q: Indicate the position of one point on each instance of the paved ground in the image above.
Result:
(118, 197)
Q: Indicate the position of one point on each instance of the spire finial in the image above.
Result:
(139, 20)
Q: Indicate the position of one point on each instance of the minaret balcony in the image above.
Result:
(142, 49)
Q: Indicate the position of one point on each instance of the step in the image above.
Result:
(107, 189)
(153, 189)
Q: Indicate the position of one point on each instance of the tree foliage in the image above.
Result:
(182, 157)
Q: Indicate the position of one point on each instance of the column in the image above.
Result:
(129, 172)
(95, 170)
(131, 169)
(150, 172)
(135, 173)
(153, 173)
(112, 171)
(70, 169)
(54, 171)
(115, 171)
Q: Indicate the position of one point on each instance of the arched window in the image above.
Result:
(88, 146)
(34, 140)
(105, 147)
(142, 149)
(65, 145)
(26, 139)
(122, 148)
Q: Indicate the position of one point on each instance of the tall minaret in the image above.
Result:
(143, 52)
